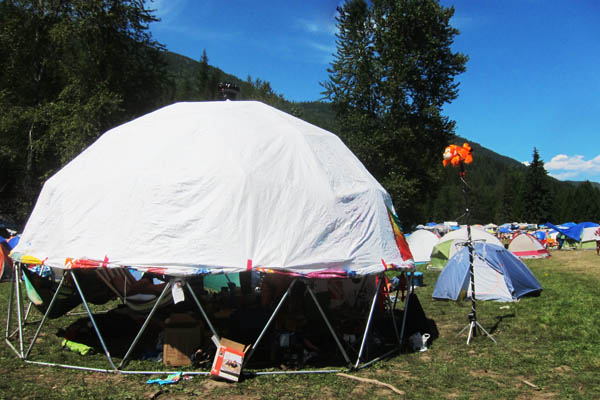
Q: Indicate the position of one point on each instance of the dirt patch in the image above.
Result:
(211, 384)
(452, 395)
(327, 393)
(533, 395)
(486, 374)
(563, 370)
(360, 391)
(103, 378)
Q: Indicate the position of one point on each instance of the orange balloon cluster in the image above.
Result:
(455, 155)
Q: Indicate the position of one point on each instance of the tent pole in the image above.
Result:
(146, 322)
(19, 303)
(10, 305)
(87, 308)
(273, 315)
(301, 372)
(9, 316)
(212, 328)
(37, 332)
(373, 303)
(392, 309)
(27, 312)
(365, 365)
(335, 336)
(405, 312)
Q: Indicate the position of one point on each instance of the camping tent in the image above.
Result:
(451, 242)
(588, 237)
(499, 275)
(421, 244)
(194, 189)
(577, 236)
(5, 261)
(491, 228)
(525, 245)
(216, 187)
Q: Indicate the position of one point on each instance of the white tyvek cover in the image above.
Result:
(212, 185)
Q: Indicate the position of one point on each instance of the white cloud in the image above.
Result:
(325, 48)
(166, 10)
(563, 166)
(328, 28)
(526, 163)
(575, 163)
(564, 175)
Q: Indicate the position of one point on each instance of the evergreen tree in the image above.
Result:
(587, 207)
(510, 208)
(69, 71)
(537, 195)
(203, 76)
(392, 73)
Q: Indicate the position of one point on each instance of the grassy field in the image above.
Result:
(548, 347)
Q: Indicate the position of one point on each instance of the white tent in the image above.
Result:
(588, 238)
(527, 246)
(421, 244)
(216, 187)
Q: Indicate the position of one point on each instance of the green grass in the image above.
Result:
(552, 342)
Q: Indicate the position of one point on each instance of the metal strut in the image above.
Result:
(146, 322)
(364, 339)
(337, 340)
(39, 329)
(271, 319)
(93, 321)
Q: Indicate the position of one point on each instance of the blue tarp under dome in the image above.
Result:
(499, 275)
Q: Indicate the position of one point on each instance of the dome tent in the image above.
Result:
(215, 187)
(499, 275)
(525, 245)
(452, 242)
(211, 187)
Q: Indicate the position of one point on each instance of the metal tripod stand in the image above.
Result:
(474, 326)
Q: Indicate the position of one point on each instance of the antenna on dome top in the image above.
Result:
(228, 91)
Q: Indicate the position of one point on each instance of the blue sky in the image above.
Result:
(532, 80)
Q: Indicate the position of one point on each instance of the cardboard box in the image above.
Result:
(183, 336)
(229, 360)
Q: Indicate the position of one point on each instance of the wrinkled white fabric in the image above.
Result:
(212, 185)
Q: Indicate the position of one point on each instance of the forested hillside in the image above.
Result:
(69, 72)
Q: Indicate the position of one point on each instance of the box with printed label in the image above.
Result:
(229, 359)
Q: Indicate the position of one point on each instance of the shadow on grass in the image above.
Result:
(499, 320)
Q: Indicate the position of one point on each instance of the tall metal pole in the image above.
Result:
(474, 326)
(473, 315)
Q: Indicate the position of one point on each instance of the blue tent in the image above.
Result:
(504, 229)
(574, 231)
(499, 275)
(541, 235)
